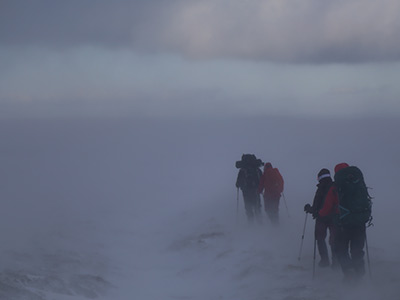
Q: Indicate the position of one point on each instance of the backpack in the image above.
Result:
(251, 178)
(273, 182)
(354, 201)
(249, 161)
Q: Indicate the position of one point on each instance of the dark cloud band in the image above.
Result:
(307, 32)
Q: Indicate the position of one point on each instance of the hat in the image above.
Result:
(324, 173)
(340, 166)
(267, 165)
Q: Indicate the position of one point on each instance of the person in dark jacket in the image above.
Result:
(323, 224)
(248, 180)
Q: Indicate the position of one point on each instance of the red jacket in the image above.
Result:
(331, 203)
(271, 182)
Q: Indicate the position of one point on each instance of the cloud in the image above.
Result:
(308, 31)
(93, 81)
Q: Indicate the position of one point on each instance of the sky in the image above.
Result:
(181, 58)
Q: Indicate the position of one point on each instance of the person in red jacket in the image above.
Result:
(271, 184)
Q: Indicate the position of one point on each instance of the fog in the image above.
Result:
(139, 208)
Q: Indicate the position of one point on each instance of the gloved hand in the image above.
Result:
(308, 208)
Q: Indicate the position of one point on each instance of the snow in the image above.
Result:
(146, 209)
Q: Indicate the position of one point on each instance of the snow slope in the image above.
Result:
(146, 209)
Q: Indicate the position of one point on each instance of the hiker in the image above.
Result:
(322, 224)
(348, 198)
(271, 183)
(247, 180)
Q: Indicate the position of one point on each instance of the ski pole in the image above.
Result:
(302, 238)
(284, 200)
(366, 247)
(315, 247)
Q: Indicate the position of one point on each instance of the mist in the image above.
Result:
(147, 208)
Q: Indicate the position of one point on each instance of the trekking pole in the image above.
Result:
(237, 205)
(366, 248)
(284, 200)
(315, 247)
(302, 238)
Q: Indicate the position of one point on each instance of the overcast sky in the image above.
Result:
(199, 58)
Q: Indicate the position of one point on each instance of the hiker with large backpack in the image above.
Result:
(349, 199)
(323, 224)
(271, 185)
(247, 180)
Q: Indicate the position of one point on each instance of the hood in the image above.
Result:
(340, 167)
(267, 166)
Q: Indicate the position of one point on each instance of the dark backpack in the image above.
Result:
(251, 178)
(249, 161)
(354, 201)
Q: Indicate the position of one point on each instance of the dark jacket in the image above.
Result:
(242, 181)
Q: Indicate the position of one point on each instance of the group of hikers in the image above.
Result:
(253, 182)
(341, 206)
